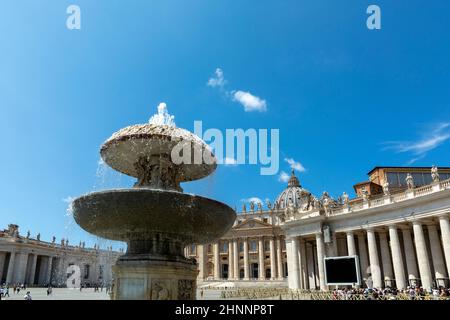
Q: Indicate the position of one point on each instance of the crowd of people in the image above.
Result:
(7, 290)
(411, 293)
(17, 288)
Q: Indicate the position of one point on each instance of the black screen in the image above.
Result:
(341, 270)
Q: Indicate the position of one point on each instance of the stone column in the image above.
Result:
(273, 271)
(363, 260)
(279, 259)
(386, 259)
(373, 258)
(202, 252)
(303, 268)
(436, 255)
(10, 274)
(293, 267)
(49, 270)
(230, 261)
(397, 258)
(300, 262)
(445, 231)
(261, 256)
(21, 272)
(351, 248)
(32, 269)
(246, 261)
(422, 256)
(216, 261)
(410, 255)
(320, 260)
(311, 266)
(236, 259)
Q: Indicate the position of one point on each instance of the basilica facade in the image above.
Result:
(397, 226)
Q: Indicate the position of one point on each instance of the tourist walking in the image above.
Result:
(28, 296)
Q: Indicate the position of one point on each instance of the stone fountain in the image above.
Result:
(155, 218)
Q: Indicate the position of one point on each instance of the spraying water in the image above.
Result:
(162, 117)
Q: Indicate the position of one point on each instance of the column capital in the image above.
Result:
(393, 226)
(350, 233)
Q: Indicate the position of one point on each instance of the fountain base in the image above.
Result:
(154, 279)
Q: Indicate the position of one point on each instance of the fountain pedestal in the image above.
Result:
(155, 280)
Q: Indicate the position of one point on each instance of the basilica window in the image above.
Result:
(209, 248)
(241, 247)
(253, 245)
(266, 245)
(192, 249)
(224, 247)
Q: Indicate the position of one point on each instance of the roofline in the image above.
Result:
(400, 167)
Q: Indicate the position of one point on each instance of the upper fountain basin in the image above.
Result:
(124, 214)
(124, 148)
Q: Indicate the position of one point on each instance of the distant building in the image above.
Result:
(35, 262)
(398, 226)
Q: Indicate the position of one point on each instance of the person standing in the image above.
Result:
(28, 296)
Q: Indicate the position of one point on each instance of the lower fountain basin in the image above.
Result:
(127, 214)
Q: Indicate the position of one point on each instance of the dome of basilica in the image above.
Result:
(294, 196)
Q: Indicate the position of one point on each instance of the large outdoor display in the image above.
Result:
(342, 270)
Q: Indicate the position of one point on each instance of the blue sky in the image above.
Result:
(336, 90)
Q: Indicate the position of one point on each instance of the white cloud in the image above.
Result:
(218, 80)
(249, 101)
(229, 161)
(283, 177)
(295, 165)
(253, 199)
(419, 148)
